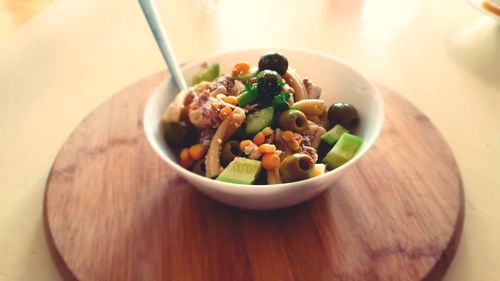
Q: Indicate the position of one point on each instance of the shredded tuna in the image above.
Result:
(237, 88)
(249, 108)
(225, 80)
(313, 90)
(205, 105)
(270, 138)
(311, 152)
(206, 136)
(308, 136)
(252, 151)
(220, 90)
(248, 149)
(189, 97)
(298, 138)
(255, 154)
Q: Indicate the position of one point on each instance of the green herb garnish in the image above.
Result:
(251, 88)
(281, 101)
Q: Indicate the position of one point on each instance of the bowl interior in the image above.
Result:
(339, 81)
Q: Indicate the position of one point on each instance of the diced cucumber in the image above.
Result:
(249, 95)
(345, 149)
(332, 136)
(259, 120)
(207, 74)
(240, 170)
(246, 98)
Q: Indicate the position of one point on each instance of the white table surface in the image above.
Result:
(443, 56)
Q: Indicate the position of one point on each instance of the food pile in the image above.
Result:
(259, 125)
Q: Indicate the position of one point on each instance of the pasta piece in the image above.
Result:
(311, 107)
(212, 160)
(313, 90)
(236, 118)
(282, 145)
(202, 86)
(196, 118)
(219, 90)
(317, 137)
(177, 110)
(226, 129)
(321, 120)
(273, 177)
(318, 131)
(290, 90)
(293, 79)
(314, 118)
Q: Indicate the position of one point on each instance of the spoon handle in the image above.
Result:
(151, 14)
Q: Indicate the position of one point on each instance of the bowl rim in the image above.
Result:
(265, 187)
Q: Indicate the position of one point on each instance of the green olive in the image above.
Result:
(296, 167)
(294, 120)
(180, 134)
(274, 61)
(230, 150)
(344, 114)
(199, 167)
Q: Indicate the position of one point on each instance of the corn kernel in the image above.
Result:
(184, 156)
(287, 135)
(294, 145)
(259, 138)
(225, 112)
(241, 67)
(186, 163)
(267, 148)
(197, 151)
(267, 131)
(244, 143)
(270, 161)
(231, 100)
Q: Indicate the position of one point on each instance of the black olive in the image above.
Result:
(268, 84)
(344, 114)
(274, 61)
(180, 134)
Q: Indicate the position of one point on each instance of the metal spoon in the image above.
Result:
(151, 14)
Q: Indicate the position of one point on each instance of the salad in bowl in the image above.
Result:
(257, 130)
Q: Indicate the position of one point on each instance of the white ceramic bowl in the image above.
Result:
(339, 81)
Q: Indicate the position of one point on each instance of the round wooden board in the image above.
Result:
(114, 211)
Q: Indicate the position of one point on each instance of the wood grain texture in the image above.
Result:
(114, 211)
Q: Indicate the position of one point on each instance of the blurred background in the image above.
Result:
(14, 13)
